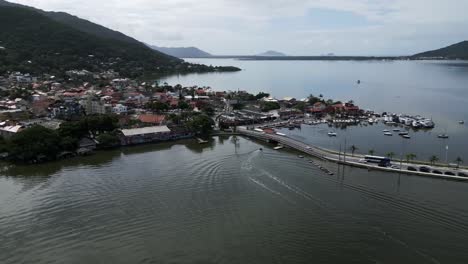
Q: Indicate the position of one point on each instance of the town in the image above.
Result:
(46, 118)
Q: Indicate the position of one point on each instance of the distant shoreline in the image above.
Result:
(323, 58)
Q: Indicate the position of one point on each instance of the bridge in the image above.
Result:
(356, 160)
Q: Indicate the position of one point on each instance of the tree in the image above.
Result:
(261, 95)
(268, 106)
(433, 159)
(108, 140)
(390, 155)
(35, 143)
(157, 106)
(353, 149)
(459, 161)
(371, 152)
(201, 125)
(183, 105)
(313, 99)
(69, 143)
(410, 157)
(300, 106)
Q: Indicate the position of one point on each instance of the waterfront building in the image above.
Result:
(152, 134)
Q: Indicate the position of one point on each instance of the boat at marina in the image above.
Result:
(443, 136)
(332, 134)
(278, 147)
(406, 136)
(386, 131)
(396, 130)
(461, 122)
(403, 133)
(388, 134)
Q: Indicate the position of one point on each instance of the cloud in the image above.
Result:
(247, 27)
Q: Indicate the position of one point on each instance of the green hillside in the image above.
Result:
(455, 51)
(32, 42)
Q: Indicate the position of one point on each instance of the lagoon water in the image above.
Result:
(225, 202)
(434, 89)
(229, 202)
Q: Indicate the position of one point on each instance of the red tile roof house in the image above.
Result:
(162, 97)
(152, 119)
(317, 108)
(351, 108)
(336, 108)
(201, 91)
(174, 103)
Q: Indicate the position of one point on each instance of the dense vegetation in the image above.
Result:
(455, 51)
(78, 23)
(37, 44)
(38, 143)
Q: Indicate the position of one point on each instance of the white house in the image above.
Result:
(119, 109)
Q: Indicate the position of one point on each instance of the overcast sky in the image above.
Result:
(295, 27)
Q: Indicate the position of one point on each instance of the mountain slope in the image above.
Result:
(182, 52)
(271, 53)
(37, 44)
(78, 23)
(455, 51)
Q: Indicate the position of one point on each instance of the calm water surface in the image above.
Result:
(434, 89)
(225, 202)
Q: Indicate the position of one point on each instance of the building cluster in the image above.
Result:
(146, 112)
(143, 109)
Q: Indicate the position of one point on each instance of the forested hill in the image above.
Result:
(455, 51)
(78, 23)
(32, 42)
(35, 43)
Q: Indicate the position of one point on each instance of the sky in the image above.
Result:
(295, 27)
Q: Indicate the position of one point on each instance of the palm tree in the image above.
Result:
(458, 161)
(390, 155)
(410, 156)
(371, 152)
(353, 149)
(433, 159)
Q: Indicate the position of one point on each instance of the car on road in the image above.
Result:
(425, 169)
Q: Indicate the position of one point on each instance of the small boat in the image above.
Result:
(332, 134)
(300, 156)
(443, 136)
(461, 122)
(396, 130)
(406, 136)
(388, 134)
(386, 131)
(403, 133)
(278, 148)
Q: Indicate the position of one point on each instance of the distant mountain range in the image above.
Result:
(37, 41)
(455, 51)
(182, 52)
(271, 53)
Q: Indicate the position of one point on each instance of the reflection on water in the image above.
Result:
(225, 202)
